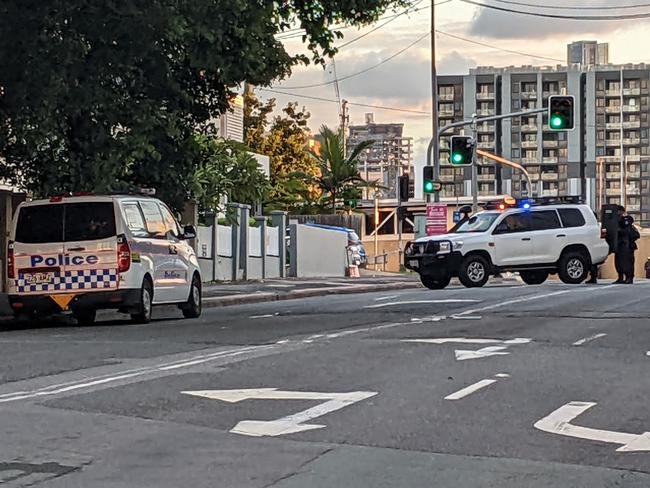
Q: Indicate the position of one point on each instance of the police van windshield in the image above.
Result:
(69, 222)
(478, 223)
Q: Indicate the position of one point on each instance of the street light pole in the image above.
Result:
(434, 101)
(474, 165)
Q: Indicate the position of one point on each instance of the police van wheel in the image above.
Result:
(143, 315)
(573, 268)
(534, 277)
(474, 271)
(192, 308)
(435, 283)
(85, 317)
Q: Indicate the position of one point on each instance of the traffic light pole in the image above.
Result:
(432, 152)
(474, 165)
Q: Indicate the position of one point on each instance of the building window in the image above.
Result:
(516, 105)
(600, 135)
(516, 154)
(600, 102)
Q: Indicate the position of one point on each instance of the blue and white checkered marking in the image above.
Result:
(83, 279)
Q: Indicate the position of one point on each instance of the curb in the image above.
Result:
(214, 302)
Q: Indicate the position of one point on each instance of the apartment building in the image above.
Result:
(390, 155)
(605, 158)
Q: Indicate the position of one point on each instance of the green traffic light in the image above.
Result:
(428, 186)
(456, 158)
(557, 122)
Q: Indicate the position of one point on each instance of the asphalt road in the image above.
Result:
(502, 387)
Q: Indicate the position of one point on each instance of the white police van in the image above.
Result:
(85, 253)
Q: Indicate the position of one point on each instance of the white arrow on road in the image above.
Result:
(559, 423)
(485, 352)
(455, 340)
(291, 423)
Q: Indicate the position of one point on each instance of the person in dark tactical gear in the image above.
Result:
(625, 247)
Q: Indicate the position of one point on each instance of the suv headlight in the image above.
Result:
(444, 247)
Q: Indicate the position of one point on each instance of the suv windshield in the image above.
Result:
(40, 224)
(478, 223)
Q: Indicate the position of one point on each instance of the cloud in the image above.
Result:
(503, 25)
(455, 63)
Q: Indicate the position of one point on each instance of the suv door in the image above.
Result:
(548, 236)
(512, 239)
(163, 253)
(182, 255)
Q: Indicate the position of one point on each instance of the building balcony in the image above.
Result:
(529, 94)
(631, 158)
(446, 114)
(613, 125)
(632, 190)
(485, 145)
(486, 193)
(635, 124)
(529, 161)
(613, 109)
(610, 192)
(613, 93)
(613, 175)
(485, 96)
(630, 92)
(529, 128)
(486, 177)
(633, 174)
(613, 142)
(447, 97)
(529, 144)
(633, 207)
(486, 127)
(632, 141)
(548, 143)
(549, 193)
(447, 178)
(550, 160)
(551, 93)
(486, 112)
(631, 109)
(550, 176)
(534, 176)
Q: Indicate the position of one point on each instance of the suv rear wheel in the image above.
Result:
(192, 308)
(85, 317)
(143, 315)
(573, 267)
(534, 277)
(435, 283)
(474, 271)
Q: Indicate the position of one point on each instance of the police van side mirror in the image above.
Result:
(189, 232)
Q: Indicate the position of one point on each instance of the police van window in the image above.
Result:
(519, 222)
(545, 220)
(153, 219)
(40, 224)
(134, 220)
(89, 221)
(572, 217)
(170, 222)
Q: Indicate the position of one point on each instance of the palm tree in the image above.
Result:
(338, 173)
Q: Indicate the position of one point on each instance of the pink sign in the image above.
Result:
(436, 219)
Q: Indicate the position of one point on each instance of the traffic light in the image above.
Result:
(561, 112)
(462, 151)
(404, 188)
(429, 185)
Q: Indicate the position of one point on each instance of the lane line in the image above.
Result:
(423, 302)
(389, 297)
(470, 389)
(582, 342)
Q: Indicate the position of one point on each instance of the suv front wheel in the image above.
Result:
(534, 277)
(474, 271)
(435, 283)
(573, 267)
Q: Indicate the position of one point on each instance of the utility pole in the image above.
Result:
(345, 119)
(434, 99)
(474, 165)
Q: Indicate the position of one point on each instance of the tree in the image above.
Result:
(96, 95)
(285, 140)
(339, 175)
(226, 169)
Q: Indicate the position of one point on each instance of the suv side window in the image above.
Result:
(545, 220)
(572, 217)
(135, 220)
(518, 222)
(153, 219)
(170, 222)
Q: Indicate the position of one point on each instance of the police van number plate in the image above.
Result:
(38, 278)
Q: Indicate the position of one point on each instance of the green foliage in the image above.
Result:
(226, 169)
(98, 94)
(284, 140)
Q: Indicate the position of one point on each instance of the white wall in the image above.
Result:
(317, 252)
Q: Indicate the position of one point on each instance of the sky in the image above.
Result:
(404, 81)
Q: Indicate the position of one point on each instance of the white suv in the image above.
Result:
(534, 240)
(86, 253)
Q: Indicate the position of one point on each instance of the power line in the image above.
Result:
(321, 99)
(577, 7)
(558, 16)
(498, 48)
(347, 77)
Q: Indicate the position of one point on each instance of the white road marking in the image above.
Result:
(486, 352)
(132, 373)
(389, 297)
(470, 389)
(422, 302)
(455, 340)
(268, 315)
(290, 424)
(466, 317)
(588, 339)
(502, 375)
(558, 422)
